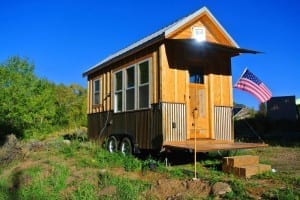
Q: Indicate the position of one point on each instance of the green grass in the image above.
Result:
(84, 191)
(282, 194)
(126, 189)
(40, 187)
(75, 171)
(4, 189)
(104, 159)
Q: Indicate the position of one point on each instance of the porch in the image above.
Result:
(207, 145)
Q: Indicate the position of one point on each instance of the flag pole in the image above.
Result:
(241, 76)
(195, 145)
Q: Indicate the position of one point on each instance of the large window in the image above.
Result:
(143, 84)
(132, 90)
(119, 91)
(96, 92)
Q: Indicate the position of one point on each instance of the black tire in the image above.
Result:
(126, 146)
(112, 144)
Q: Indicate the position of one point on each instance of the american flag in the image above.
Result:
(251, 83)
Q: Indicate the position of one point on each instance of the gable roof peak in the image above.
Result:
(156, 37)
(204, 10)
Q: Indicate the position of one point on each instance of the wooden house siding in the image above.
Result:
(143, 126)
(107, 81)
(186, 32)
(179, 109)
(105, 101)
(213, 32)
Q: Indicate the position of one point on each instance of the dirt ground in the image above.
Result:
(285, 160)
(168, 188)
(282, 159)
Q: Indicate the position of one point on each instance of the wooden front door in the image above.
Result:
(198, 111)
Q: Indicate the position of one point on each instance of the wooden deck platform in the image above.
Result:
(211, 145)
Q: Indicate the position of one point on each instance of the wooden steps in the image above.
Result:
(244, 166)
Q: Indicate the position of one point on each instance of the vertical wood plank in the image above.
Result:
(88, 106)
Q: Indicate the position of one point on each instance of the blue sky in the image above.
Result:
(64, 38)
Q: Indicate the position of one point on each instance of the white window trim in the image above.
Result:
(130, 88)
(199, 37)
(143, 84)
(136, 86)
(117, 91)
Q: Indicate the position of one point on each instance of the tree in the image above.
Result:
(262, 110)
(16, 78)
(71, 105)
(30, 105)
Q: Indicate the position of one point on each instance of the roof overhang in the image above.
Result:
(126, 52)
(188, 52)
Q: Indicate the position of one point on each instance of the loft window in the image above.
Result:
(199, 33)
(143, 84)
(196, 77)
(96, 92)
(119, 91)
(130, 88)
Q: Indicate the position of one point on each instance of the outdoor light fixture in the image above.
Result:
(199, 33)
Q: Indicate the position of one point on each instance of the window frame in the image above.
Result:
(118, 91)
(197, 74)
(199, 33)
(136, 86)
(96, 92)
(131, 87)
(140, 85)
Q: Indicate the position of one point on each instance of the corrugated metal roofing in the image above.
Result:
(155, 37)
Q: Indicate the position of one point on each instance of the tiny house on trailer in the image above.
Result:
(167, 89)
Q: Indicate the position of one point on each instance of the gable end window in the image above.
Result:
(96, 92)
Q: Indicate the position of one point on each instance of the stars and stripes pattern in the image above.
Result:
(252, 84)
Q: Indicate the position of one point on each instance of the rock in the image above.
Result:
(67, 142)
(220, 189)
(11, 141)
(10, 151)
(35, 146)
(102, 171)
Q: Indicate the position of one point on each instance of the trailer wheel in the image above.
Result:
(112, 144)
(126, 146)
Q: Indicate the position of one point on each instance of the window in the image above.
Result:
(196, 77)
(199, 33)
(119, 91)
(96, 92)
(143, 84)
(130, 88)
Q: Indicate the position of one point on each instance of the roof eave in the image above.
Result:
(125, 54)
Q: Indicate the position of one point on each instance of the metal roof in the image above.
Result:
(152, 39)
